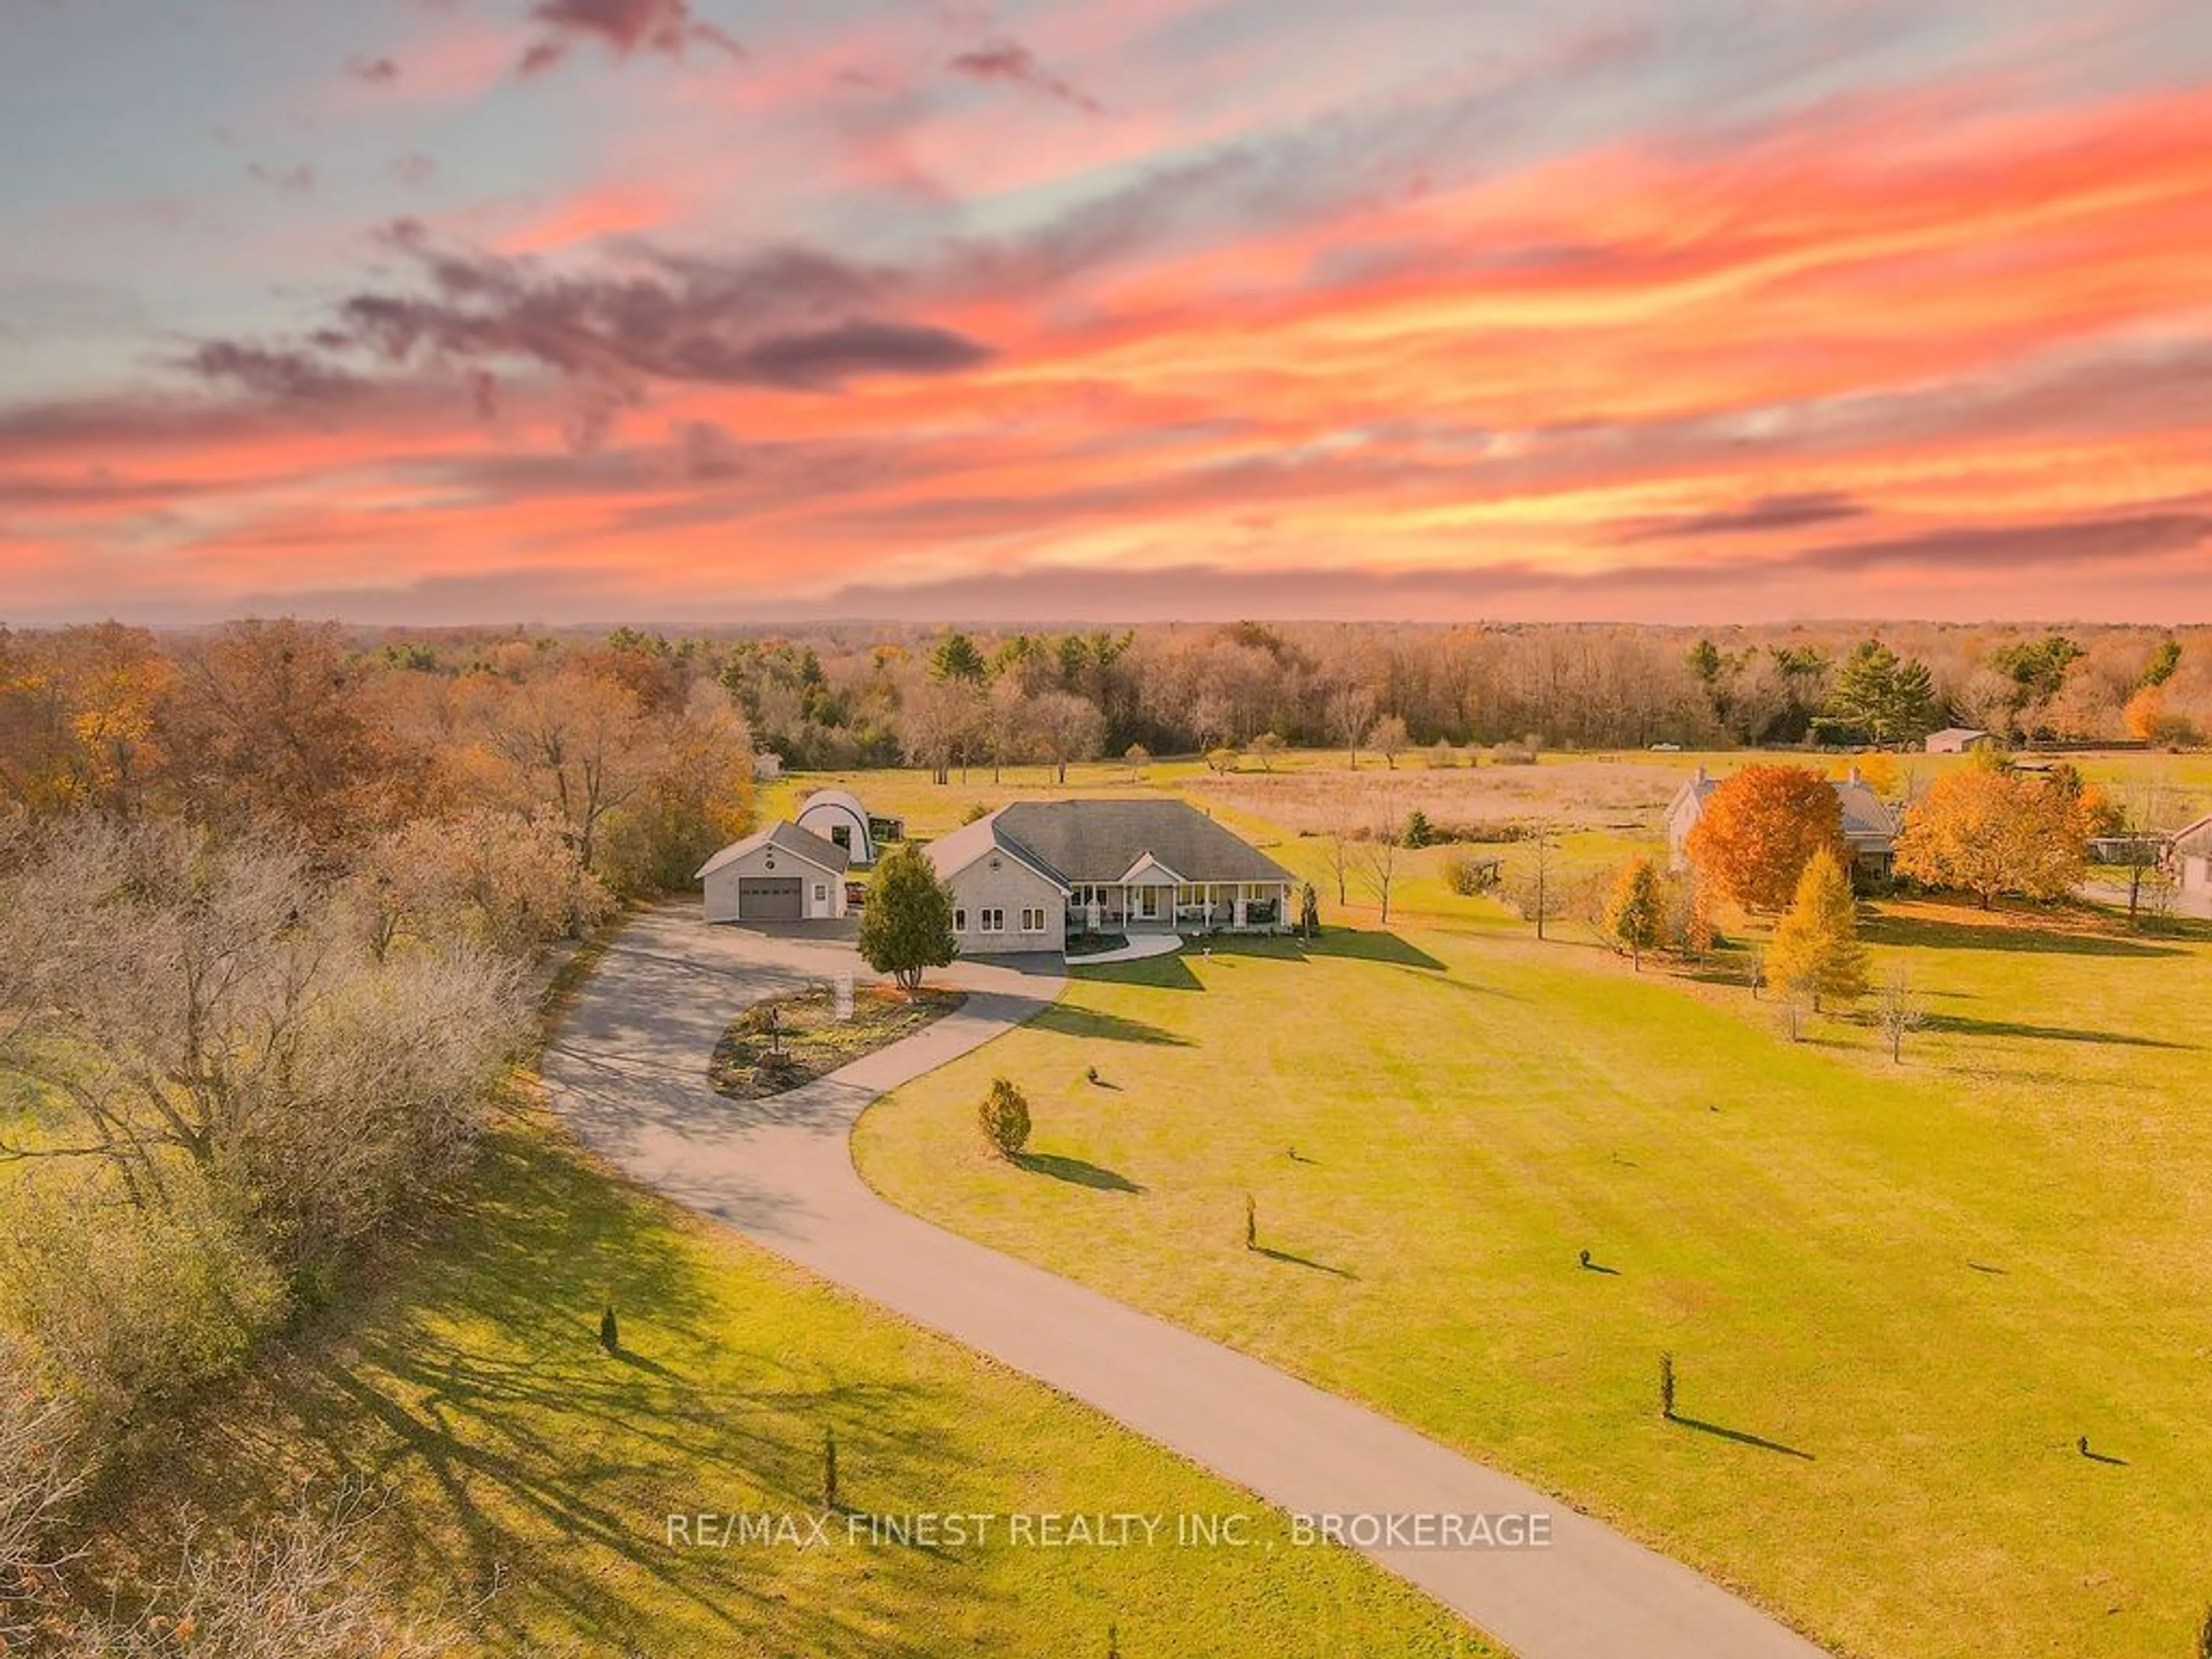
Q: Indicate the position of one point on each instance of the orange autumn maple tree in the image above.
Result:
(1760, 828)
(1987, 830)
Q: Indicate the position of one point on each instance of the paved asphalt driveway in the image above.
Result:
(630, 1073)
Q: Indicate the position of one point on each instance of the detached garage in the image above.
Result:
(782, 874)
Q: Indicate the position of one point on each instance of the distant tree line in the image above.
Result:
(959, 699)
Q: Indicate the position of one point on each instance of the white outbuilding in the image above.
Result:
(839, 818)
(783, 873)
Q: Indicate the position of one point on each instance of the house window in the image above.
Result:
(820, 892)
(1033, 920)
(959, 921)
(841, 834)
(994, 921)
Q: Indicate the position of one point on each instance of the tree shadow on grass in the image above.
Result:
(1303, 1261)
(1062, 1019)
(1076, 1172)
(1371, 945)
(1961, 1025)
(517, 1455)
(1739, 1437)
(1168, 973)
(2044, 938)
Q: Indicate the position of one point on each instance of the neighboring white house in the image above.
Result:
(1869, 827)
(2191, 851)
(767, 765)
(1028, 875)
(783, 873)
(838, 817)
(1959, 740)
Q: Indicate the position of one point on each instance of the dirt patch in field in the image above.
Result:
(1569, 794)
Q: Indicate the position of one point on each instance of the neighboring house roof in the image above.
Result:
(2193, 838)
(1956, 734)
(1868, 824)
(801, 844)
(1865, 819)
(1102, 841)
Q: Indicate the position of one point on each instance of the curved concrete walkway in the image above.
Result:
(630, 1073)
(1137, 950)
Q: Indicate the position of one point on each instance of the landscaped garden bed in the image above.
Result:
(788, 1041)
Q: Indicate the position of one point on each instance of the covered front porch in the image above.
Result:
(1141, 906)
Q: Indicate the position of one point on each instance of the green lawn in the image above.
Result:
(1896, 1295)
(530, 1473)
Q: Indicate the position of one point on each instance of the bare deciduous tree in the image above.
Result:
(39, 1477)
(1898, 1011)
(575, 741)
(1535, 888)
(512, 883)
(303, 1584)
(1378, 859)
(1068, 728)
(1388, 738)
(1350, 715)
(935, 719)
(204, 1001)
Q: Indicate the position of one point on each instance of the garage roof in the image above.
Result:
(802, 844)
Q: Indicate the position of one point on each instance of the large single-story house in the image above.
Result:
(1028, 875)
(781, 873)
(2190, 852)
(1870, 829)
(1959, 740)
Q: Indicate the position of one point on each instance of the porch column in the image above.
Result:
(1240, 904)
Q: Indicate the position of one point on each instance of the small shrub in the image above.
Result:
(1090, 1075)
(1419, 831)
(1667, 1386)
(1251, 1223)
(1005, 1114)
(976, 810)
(1511, 754)
(1443, 757)
(130, 1306)
(609, 1331)
(1466, 876)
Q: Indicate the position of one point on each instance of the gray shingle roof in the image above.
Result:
(790, 838)
(1097, 841)
(1867, 823)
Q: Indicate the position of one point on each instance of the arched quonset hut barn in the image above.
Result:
(839, 819)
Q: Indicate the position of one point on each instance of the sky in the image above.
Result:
(717, 311)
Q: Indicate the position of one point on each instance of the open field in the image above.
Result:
(528, 1474)
(1896, 1295)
